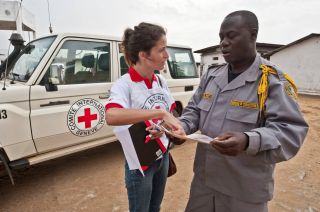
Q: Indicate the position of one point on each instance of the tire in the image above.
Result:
(3, 171)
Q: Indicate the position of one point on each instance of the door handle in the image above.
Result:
(106, 96)
(55, 103)
(188, 88)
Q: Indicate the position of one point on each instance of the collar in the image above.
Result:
(249, 75)
(252, 71)
(136, 77)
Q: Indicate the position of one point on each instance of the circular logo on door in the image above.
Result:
(86, 117)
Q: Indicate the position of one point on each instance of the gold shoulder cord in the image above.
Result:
(263, 86)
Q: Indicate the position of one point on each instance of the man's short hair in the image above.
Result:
(249, 17)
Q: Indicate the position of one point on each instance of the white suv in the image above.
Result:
(52, 99)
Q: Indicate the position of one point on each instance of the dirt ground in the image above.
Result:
(93, 180)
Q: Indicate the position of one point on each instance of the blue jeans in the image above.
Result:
(145, 193)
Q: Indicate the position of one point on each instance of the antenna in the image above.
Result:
(5, 71)
(50, 27)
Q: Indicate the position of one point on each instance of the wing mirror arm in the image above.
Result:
(52, 85)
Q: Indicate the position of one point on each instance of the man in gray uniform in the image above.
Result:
(235, 172)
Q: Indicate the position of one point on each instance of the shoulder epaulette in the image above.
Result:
(263, 84)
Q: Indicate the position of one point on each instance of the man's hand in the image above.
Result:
(230, 143)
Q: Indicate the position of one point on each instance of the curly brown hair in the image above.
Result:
(141, 38)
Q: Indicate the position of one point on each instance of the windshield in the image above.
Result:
(181, 63)
(29, 59)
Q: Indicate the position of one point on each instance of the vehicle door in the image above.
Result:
(67, 103)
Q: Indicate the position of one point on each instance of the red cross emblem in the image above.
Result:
(87, 118)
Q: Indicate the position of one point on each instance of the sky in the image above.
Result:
(194, 23)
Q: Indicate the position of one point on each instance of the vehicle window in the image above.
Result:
(123, 66)
(29, 59)
(181, 63)
(80, 62)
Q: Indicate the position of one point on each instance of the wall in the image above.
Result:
(301, 61)
(207, 60)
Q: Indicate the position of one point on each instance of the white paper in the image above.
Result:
(200, 138)
(195, 137)
(123, 135)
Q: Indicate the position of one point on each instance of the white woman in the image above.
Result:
(142, 96)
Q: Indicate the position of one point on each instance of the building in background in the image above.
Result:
(212, 56)
(14, 17)
(301, 60)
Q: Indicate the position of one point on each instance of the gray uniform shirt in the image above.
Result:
(218, 106)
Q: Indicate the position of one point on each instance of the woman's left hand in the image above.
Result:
(154, 132)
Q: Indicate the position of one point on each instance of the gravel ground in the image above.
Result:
(93, 180)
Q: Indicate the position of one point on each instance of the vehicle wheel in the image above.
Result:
(3, 162)
(3, 171)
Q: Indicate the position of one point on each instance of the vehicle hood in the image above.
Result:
(13, 92)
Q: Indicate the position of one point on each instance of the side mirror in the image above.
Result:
(52, 85)
(54, 81)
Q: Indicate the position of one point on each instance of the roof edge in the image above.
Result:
(293, 43)
(213, 48)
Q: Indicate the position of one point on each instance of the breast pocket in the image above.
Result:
(204, 105)
(207, 97)
(241, 119)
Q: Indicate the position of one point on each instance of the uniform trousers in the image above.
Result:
(205, 199)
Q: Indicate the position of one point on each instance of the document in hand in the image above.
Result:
(195, 137)
(200, 138)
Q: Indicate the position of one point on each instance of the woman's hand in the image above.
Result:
(173, 124)
(154, 131)
(178, 131)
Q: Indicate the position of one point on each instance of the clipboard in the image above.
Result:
(147, 153)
